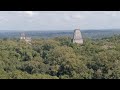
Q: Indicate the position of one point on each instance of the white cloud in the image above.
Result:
(3, 19)
(73, 17)
(59, 19)
(77, 16)
(112, 13)
(30, 13)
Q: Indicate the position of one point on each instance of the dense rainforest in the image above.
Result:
(59, 58)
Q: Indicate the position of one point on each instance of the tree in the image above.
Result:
(64, 62)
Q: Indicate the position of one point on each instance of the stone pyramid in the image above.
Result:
(77, 37)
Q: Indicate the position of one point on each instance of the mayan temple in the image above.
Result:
(27, 39)
(77, 37)
(22, 36)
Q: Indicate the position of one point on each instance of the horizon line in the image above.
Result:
(61, 30)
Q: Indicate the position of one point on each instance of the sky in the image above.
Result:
(59, 20)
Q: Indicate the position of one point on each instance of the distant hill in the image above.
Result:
(94, 34)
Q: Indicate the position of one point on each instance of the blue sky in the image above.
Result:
(59, 20)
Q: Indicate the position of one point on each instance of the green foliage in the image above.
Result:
(59, 58)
